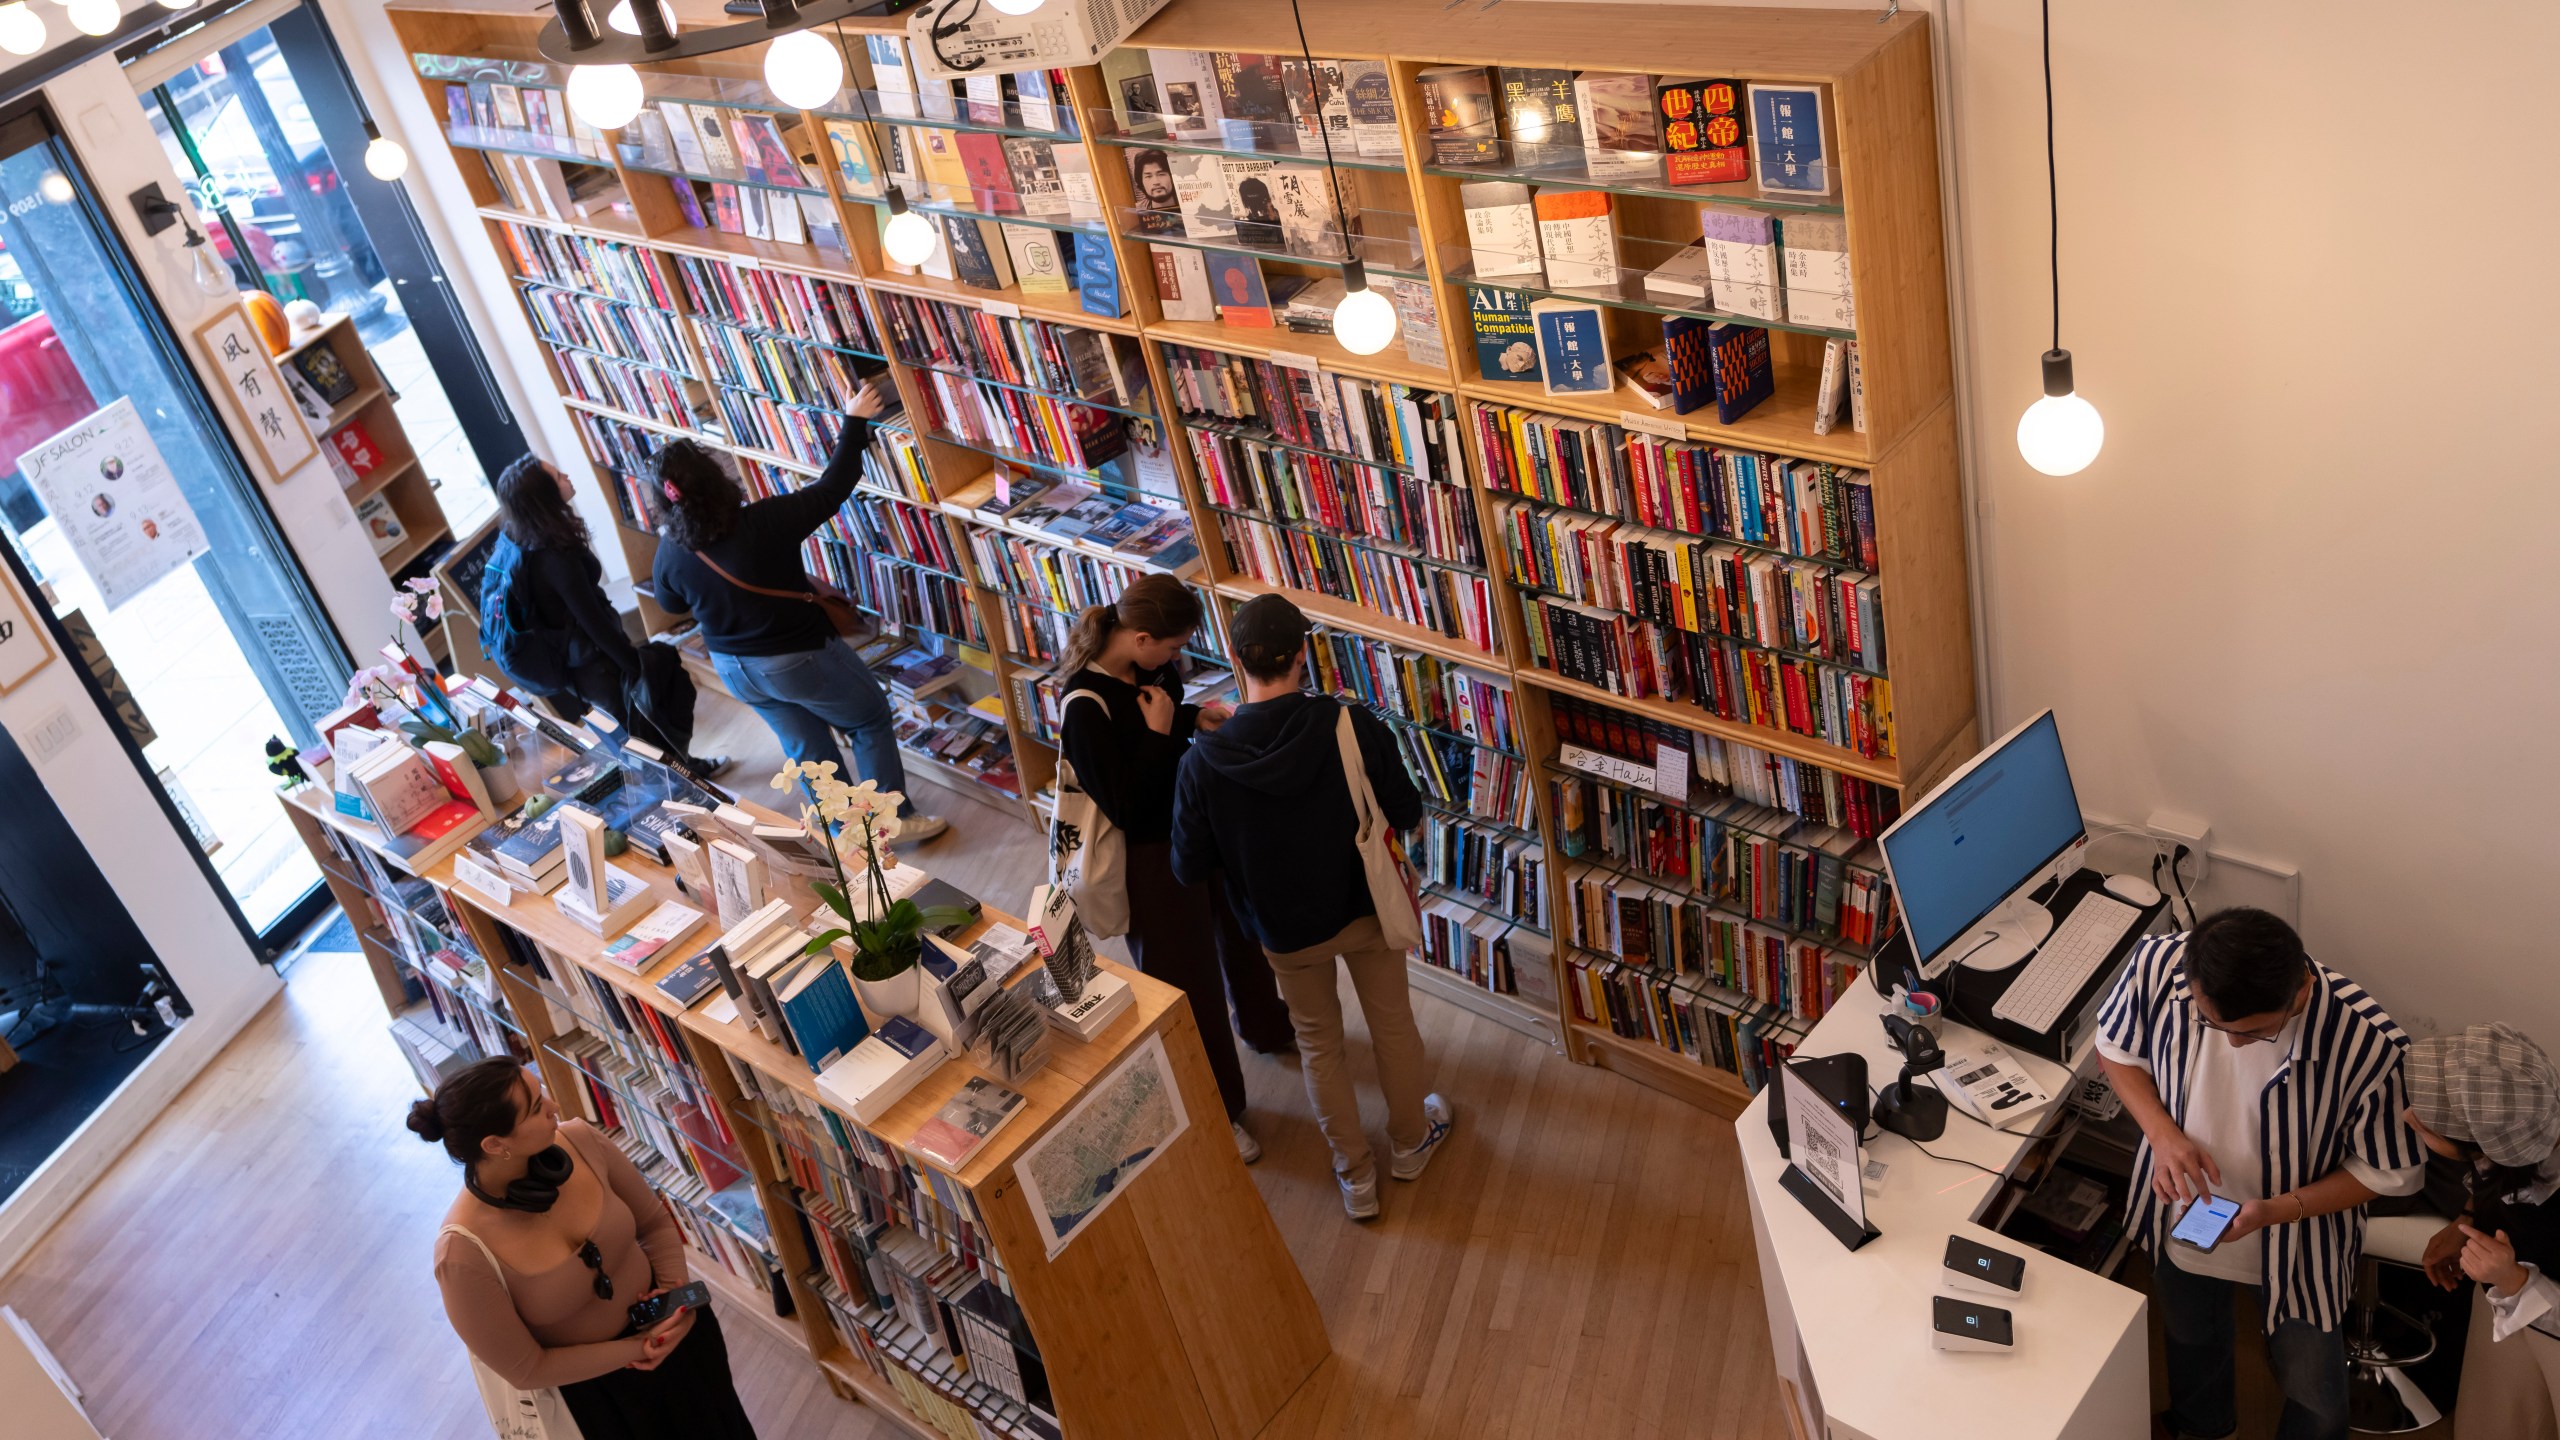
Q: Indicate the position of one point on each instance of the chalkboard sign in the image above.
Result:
(461, 570)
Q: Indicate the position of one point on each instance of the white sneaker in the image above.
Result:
(1359, 1201)
(1407, 1164)
(1246, 1146)
(918, 828)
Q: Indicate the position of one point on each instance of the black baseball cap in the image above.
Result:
(1268, 626)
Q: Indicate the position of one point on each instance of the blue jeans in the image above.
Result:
(808, 695)
(2310, 1363)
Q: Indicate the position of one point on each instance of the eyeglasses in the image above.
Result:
(2246, 1037)
(594, 1259)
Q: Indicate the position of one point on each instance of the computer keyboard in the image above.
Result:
(2070, 955)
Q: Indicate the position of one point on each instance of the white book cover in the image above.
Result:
(1075, 181)
(1502, 228)
(1681, 280)
(1581, 250)
(893, 81)
(1369, 96)
(1187, 89)
(1182, 283)
(1818, 287)
(1200, 190)
(1857, 391)
(1827, 394)
(685, 135)
(657, 930)
(1310, 224)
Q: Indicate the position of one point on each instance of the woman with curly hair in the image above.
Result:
(737, 568)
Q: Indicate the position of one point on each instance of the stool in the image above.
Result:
(2383, 1341)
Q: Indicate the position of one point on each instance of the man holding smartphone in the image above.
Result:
(2271, 1084)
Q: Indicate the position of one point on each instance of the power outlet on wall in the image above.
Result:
(56, 731)
(2173, 828)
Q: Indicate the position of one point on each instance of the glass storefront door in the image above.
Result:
(160, 560)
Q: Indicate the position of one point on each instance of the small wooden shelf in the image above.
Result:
(419, 542)
(351, 407)
(379, 481)
(1719, 1091)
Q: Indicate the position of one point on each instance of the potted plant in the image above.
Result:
(853, 824)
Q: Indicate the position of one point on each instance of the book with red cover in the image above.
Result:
(991, 186)
(354, 445)
(725, 212)
(1703, 136)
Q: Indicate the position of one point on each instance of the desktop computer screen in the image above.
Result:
(1991, 828)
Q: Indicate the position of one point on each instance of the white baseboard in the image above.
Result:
(102, 1140)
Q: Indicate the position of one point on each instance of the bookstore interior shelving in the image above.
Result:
(1641, 658)
(378, 469)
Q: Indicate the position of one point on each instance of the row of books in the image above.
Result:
(1409, 685)
(1702, 586)
(1745, 262)
(527, 116)
(910, 532)
(1635, 1004)
(727, 1226)
(1039, 427)
(1675, 934)
(1064, 580)
(573, 317)
(803, 307)
(1629, 128)
(783, 370)
(1786, 789)
(1251, 201)
(905, 596)
(1828, 887)
(1144, 532)
(1301, 488)
(1065, 360)
(1630, 657)
(1447, 602)
(1492, 784)
(1809, 508)
(642, 390)
(959, 734)
(617, 1092)
(610, 268)
(1505, 871)
(802, 434)
(1486, 952)
(1396, 425)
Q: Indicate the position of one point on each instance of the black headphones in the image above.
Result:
(539, 1188)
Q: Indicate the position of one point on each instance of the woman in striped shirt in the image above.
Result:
(2261, 1076)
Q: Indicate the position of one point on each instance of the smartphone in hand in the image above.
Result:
(650, 1313)
(2205, 1222)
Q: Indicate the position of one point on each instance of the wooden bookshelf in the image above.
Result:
(1875, 74)
(397, 483)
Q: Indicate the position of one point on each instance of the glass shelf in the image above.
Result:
(1776, 826)
(1257, 435)
(1743, 641)
(664, 165)
(538, 282)
(1092, 229)
(1233, 139)
(538, 145)
(1061, 398)
(943, 112)
(1730, 1001)
(1629, 290)
(1376, 547)
(1465, 900)
(637, 364)
(1628, 172)
(1392, 253)
(787, 338)
(1465, 816)
(1433, 731)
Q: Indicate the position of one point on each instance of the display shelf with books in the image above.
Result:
(334, 382)
(1729, 263)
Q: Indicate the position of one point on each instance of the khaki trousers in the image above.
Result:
(1313, 991)
(2509, 1387)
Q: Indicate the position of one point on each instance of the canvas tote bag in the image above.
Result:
(516, 1414)
(1087, 853)
(1390, 880)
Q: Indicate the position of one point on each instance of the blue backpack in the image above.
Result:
(532, 656)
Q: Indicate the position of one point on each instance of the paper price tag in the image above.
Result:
(1005, 308)
(1671, 771)
(491, 885)
(1610, 767)
(1294, 360)
(743, 262)
(1652, 424)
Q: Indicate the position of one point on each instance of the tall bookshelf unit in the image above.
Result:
(1875, 80)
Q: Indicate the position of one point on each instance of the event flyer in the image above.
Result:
(116, 501)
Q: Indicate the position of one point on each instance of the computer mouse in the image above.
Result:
(2133, 890)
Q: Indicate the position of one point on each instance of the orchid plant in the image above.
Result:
(854, 825)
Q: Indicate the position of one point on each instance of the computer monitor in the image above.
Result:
(1966, 858)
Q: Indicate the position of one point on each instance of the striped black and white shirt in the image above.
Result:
(2337, 1096)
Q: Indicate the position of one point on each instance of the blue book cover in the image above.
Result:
(823, 1015)
(1506, 343)
(1743, 374)
(1786, 139)
(1573, 353)
(1235, 282)
(1097, 279)
(905, 1036)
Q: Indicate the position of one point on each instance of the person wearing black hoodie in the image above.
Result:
(1265, 800)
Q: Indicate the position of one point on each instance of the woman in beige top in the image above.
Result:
(579, 1236)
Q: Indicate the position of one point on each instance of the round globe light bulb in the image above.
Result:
(803, 71)
(96, 17)
(177, 4)
(2060, 434)
(908, 237)
(385, 159)
(605, 96)
(1364, 322)
(1017, 7)
(623, 19)
(21, 29)
(55, 187)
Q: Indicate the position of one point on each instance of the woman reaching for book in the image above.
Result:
(736, 566)
(554, 1237)
(1124, 728)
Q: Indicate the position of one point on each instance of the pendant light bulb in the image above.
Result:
(803, 71)
(1365, 320)
(605, 96)
(21, 29)
(177, 4)
(622, 18)
(1016, 7)
(55, 187)
(384, 158)
(96, 17)
(908, 237)
(210, 274)
(2061, 433)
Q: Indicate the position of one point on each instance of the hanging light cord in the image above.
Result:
(2053, 202)
(1324, 132)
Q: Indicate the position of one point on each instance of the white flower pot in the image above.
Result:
(900, 994)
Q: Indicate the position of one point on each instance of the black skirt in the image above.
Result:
(688, 1397)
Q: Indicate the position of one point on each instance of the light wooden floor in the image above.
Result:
(1576, 1263)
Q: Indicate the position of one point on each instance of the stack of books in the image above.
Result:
(628, 273)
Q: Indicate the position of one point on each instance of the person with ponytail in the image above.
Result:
(736, 567)
(1126, 751)
(554, 1236)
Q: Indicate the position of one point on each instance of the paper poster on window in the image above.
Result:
(116, 501)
